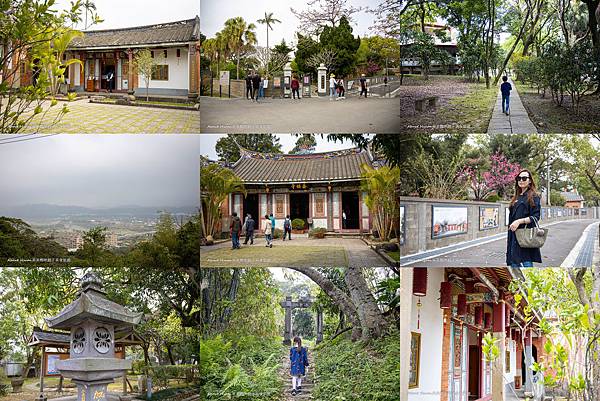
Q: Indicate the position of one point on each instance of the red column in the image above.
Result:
(130, 70)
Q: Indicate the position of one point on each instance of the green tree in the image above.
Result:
(425, 50)
(305, 49)
(380, 188)
(268, 20)
(94, 245)
(228, 150)
(305, 143)
(341, 40)
(146, 65)
(240, 38)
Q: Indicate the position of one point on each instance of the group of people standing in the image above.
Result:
(337, 86)
(249, 226)
(255, 86)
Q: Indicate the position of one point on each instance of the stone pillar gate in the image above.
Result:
(289, 305)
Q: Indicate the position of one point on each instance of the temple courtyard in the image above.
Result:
(300, 252)
(94, 118)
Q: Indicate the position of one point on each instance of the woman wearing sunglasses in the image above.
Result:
(524, 208)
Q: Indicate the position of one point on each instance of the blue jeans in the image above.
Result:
(331, 91)
(235, 239)
(269, 238)
(505, 99)
(261, 91)
(522, 264)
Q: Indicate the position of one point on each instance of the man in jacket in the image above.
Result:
(249, 230)
(235, 227)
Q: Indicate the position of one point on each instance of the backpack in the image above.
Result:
(286, 224)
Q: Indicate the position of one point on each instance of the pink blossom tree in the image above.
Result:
(502, 174)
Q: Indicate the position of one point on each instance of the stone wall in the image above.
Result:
(417, 219)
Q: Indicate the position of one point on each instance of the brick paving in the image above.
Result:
(93, 118)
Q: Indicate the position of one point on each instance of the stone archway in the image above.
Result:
(289, 305)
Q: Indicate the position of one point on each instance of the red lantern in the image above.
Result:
(446, 295)
(478, 315)
(462, 305)
(487, 320)
(420, 281)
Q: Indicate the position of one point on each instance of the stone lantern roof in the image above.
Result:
(92, 303)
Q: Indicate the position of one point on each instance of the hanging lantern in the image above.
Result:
(478, 315)
(487, 320)
(420, 281)
(446, 295)
(462, 305)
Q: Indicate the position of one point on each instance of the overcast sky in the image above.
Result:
(287, 141)
(215, 13)
(101, 170)
(128, 13)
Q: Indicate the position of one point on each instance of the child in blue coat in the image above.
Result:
(298, 363)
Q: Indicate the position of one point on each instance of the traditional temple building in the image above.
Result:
(175, 47)
(445, 314)
(319, 188)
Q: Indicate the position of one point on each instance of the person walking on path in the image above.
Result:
(524, 208)
(255, 85)
(248, 86)
(287, 227)
(332, 86)
(261, 88)
(298, 364)
(505, 88)
(249, 230)
(295, 88)
(235, 228)
(272, 218)
(268, 230)
(363, 86)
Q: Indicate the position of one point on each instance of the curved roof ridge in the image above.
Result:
(130, 28)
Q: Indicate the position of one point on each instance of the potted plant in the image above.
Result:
(298, 226)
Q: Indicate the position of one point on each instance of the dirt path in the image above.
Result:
(307, 381)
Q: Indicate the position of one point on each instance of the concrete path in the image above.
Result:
(308, 115)
(303, 252)
(517, 122)
(568, 243)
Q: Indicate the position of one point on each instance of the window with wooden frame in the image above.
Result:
(319, 205)
(279, 205)
(160, 73)
(415, 356)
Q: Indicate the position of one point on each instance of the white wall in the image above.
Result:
(510, 376)
(178, 70)
(431, 329)
(319, 223)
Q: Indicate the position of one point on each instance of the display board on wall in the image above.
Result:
(415, 355)
(488, 218)
(447, 221)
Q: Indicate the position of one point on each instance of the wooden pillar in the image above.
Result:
(130, 87)
(528, 361)
(499, 333)
(42, 397)
(406, 279)
(445, 357)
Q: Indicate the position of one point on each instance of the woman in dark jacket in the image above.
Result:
(524, 208)
(298, 364)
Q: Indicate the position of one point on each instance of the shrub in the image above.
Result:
(277, 233)
(3, 389)
(298, 224)
(493, 198)
(318, 232)
(162, 374)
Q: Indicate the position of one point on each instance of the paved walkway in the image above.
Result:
(300, 252)
(92, 118)
(569, 243)
(307, 115)
(517, 122)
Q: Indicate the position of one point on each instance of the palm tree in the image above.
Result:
(216, 183)
(268, 20)
(379, 186)
(239, 36)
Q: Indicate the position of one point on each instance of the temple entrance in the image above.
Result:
(350, 207)
(289, 306)
(299, 207)
(251, 206)
(474, 372)
(109, 75)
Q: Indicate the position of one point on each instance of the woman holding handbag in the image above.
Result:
(524, 210)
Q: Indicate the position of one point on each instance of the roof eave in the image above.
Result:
(133, 46)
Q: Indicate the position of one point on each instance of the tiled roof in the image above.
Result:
(171, 32)
(572, 196)
(254, 167)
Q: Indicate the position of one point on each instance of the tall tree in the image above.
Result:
(240, 37)
(146, 65)
(228, 147)
(323, 13)
(268, 20)
(340, 40)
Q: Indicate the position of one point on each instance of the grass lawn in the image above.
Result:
(394, 255)
(462, 105)
(261, 256)
(550, 118)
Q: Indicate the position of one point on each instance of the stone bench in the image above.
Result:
(430, 100)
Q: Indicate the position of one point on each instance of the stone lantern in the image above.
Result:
(92, 320)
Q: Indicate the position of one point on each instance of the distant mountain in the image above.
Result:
(46, 211)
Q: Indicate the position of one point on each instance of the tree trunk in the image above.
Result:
(337, 296)
(512, 49)
(170, 353)
(374, 324)
(237, 72)
(268, 50)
